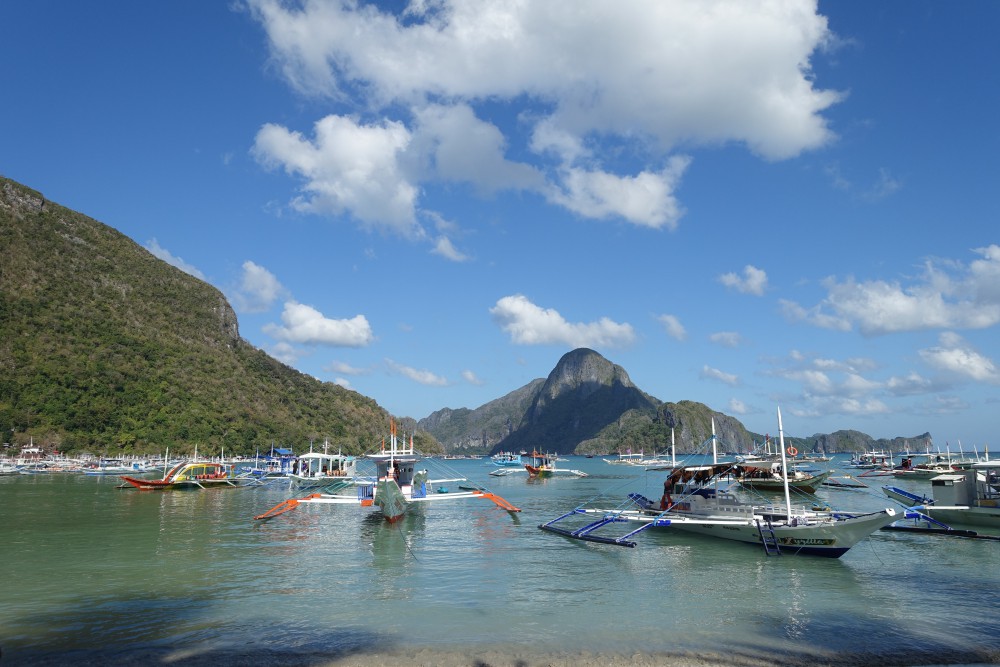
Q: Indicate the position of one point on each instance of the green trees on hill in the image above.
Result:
(104, 347)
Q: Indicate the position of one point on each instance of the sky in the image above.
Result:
(751, 205)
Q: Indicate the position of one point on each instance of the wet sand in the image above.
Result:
(516, 658)
(512, 656)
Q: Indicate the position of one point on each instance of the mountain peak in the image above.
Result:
(579, 374)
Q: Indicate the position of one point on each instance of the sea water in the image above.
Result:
(96, 573)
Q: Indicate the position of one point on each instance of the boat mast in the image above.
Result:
(784, 468)
(715, 461)
(673, 454)
(715, 450)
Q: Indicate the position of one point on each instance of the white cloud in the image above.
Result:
(528, 324)
(160, 252)
(304, 324)
(348, 168)
(754, 281)
(344, 369)
(911, 384)
(956, 357)
(885, 186)
(738, 407)
(444, 247)
(471, 378)
(829, 381)
(420, 376)
(646, 199)
(285, 353)
(854, 406)
(258, 289)
(457, 146)
(945, 405)
(796, 313)
(726, 338)
(948, 295)
(575, 77)
(716, 374)
(673, 326)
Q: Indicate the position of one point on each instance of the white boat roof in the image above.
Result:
(321, 455)
(948, 477)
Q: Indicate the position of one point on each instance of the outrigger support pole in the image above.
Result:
(282, 507)
(500, 502)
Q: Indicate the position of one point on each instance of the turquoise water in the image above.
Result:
(95, 573)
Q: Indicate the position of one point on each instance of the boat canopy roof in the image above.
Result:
(325, 457)
(701, 473)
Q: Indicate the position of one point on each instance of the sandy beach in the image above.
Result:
(510, 656)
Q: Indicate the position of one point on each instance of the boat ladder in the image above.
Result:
(768, 538)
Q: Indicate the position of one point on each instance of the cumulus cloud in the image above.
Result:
(660, 76)
(471, 378)
(954, 356)
(456, 146)
(673, 326)
(646, 199)
(910, 384)
(528, 324)
(715, 374)
(738, 407)
(304, 324)
(444, 247)
(829, 386)
(341, 368)
(258, 289)
(348, 167)
(726, 338)
(160, 252)
(420, 376)
(285, 353)
(754, 281)
(947, 295)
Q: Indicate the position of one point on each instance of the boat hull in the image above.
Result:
(826, 539)
(163, 485)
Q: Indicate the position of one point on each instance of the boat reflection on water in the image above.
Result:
(392, 553)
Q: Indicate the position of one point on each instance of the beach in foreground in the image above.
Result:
(503, 657)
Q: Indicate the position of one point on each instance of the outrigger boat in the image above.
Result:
(769, 477)
(193, 475)
(396, 486)
(544, 465)
(506, 460)
(969, 497)
(696, 501)
(315, 470)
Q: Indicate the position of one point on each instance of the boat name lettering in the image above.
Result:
(806, 541)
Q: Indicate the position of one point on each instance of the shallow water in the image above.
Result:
(97, 573)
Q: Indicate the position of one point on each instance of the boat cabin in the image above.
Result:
(967, 487)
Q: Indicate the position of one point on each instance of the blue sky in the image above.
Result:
(742, 204)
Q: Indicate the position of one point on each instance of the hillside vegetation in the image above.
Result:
(104, 347)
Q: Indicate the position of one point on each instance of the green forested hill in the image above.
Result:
(104, 347)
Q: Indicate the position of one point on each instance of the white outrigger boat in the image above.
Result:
(696, 501)
(969, 497)
(396, 486)
(314, 470)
